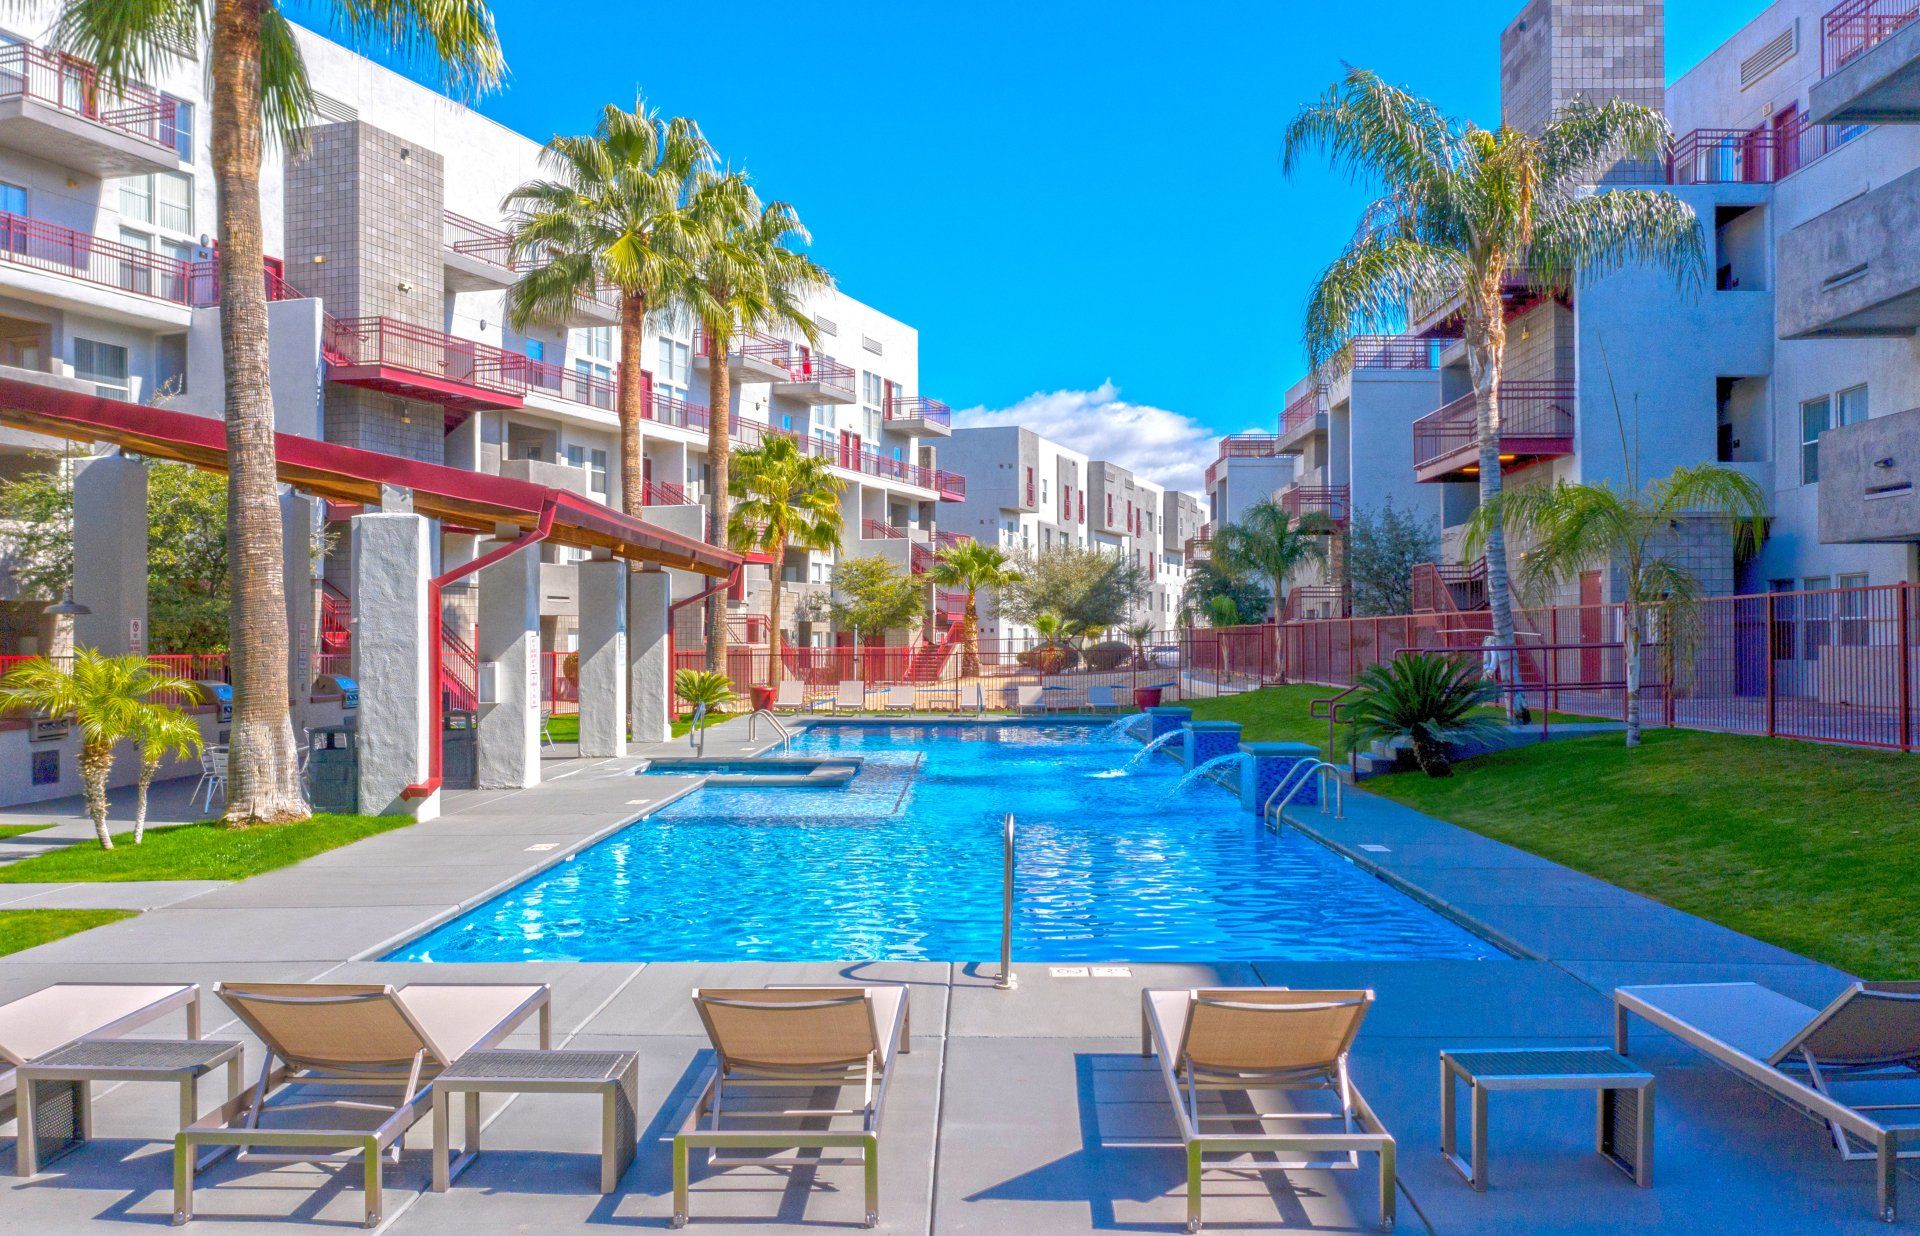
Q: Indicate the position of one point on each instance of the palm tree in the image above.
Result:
(1427, 699)
(971, 565)
(158, 731)
(787, 500)
(612, 212)
(106, 697)
(748, 279)
(1569, 528)
(1269, 542)
(1138, 633)
(260, 89)
(1462, 209)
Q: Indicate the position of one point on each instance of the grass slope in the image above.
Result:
(208, 851)
(23, 929)
(1809, 847)
(1271, 714)
(20, 830)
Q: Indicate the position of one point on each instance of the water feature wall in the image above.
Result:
(1270, 762)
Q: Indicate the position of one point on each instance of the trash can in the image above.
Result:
(460, 749)
(339, 684)
(333, 769)
(219, 694)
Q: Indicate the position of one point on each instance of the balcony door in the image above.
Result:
(849, 450)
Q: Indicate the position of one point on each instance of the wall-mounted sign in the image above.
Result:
(49, 729)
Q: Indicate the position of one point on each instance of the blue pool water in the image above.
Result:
(904, 863)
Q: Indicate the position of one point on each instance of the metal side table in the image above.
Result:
(56, 1110)
(613, 1075)
(1624, 1126)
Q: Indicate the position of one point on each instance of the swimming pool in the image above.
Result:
(904, 863)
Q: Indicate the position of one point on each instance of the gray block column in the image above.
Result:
(649, 594)
(110, 555)
(603, 657)
(393, 642)
(300, 518)
(509, 731)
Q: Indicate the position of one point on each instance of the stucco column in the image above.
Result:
(603, 657)
(299, 519)
(393, 640)
(110, 554)
(649, 594)
(509, 731)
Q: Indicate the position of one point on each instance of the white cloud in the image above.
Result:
(1168, 447)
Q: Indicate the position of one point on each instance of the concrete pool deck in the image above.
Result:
(1017, 1112)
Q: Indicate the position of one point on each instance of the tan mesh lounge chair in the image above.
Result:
(64, 1013)
(791, 697)
(1869, 1033)
(898, 699)
(851, 697)
(1103, 697)
(1030, 699)
(795, 1040)
(972, 698)
(1264, 1042)
(377, 1049)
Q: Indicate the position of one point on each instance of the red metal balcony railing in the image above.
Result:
(1760, 155)
(1848, 31)
(1330, 502)
(72, 85)
(1398, 351)
(595, 390)
(1299, 413)
(950, 540)
(919, 558)
(672, 410)
(35, 243)
(880, 530)
(1244, 446)
(951, 486)
(806, 365)
(919, 408)
(422, 363)
(664, 493)
(751, 345)
(1536, 422)
(477, 240)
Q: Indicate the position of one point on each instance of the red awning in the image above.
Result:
(347, 474)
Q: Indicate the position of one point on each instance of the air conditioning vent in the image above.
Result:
(825, 326)
(1775, 52)
(328, 110)
(870, 344)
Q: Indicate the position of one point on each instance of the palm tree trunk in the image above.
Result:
(1632, 650)
(719, 456)
(263, 765)
(630, 394)
(970, 638)
(1485, 360)
(773, 616)
(147, 769)
(96, 763)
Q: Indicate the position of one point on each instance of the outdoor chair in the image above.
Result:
(851, 697)
(546, 727)
(972, 698)
(1870, 1033)
(213, 775)
(1268, 1046)
(1103, 698)
(783, 1046)
(1030, 699)
(349, 1069)
(791, 697)
(898, 699)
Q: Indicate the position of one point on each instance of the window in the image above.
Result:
(1852, 621)
(675, 364)
(1816, 416)
(182, 127)
(164, 199)
(13, 198)
(536, 350)
(170, 365)
(1852, 406)
(104, 365)
(597, 470)
(136, 198)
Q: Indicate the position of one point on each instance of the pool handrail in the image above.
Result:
(786, 735)
(697, 736)
(1297, 778)
(1005, 982)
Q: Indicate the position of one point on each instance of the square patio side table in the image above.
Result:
(613, 1075)
(1623, 1126)
(56, 1108)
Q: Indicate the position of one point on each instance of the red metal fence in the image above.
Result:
(1848, 31)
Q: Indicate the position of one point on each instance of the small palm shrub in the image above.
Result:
(1107, 655)
(1430, 700)
(709, 687)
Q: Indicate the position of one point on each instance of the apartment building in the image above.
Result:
(1028, 494)
(388, 274)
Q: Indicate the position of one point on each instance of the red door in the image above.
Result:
(1786, 141)
(849, 450)
(1593, 626)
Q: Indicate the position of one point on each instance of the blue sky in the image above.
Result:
(1080, 202)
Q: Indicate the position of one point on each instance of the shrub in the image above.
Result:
(1111, 654)
(1431, 700)
(709, 687)
(1049, 658)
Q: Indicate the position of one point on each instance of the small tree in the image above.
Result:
(874, 595)
(1207, 581)
(1223, 611)
(1384, 547)
(158, 732)
(1268, 543)
(785, 500)
(106, 696)
(971, 566)
(1138, 634)
(1088, 588)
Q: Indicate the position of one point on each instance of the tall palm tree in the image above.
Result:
(1570, 528)
(612, 212)
(107, 698)
(1461, 209)
(748, 279)
(1268, 542)
(786, 501)
(971, 566)
(158, 731)
(260, 89)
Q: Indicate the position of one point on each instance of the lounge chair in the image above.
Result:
(791, 697)
(1259, 1042)
(1870, 1032)
(802, 1039)
(851, 697)
(364, 1038)
(1030, 699)
(1103, 697)
(64, 1013)
(898, 699)
(972, 698)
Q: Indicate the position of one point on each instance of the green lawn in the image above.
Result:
(20, 830)
(206, 851)
(21, 929)
(1271, 714)
(567, 728)
(1809, 847)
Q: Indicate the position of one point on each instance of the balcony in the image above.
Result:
(752, 356)
(1869, 64)
(1244, 446)
(951, 486)
(817, 379)
(415, 362)
(55, 107)
(1758, 156)
(1200, 544)
(48, 247)
(920, 415)
(556, 381)
(1304, 415)
(478, 258)
(1536, 423)
(1328, 505)
(1854, 270)
(664, 493)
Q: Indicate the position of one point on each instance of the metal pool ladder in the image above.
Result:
(1006, 980)
(786, 735)
(697, 736)
(1298, 778)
